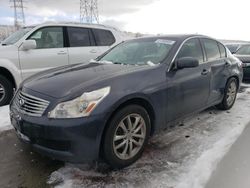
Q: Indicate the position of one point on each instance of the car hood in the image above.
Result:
(63, 81)
(243, 58)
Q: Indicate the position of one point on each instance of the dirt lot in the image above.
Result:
(20, 167)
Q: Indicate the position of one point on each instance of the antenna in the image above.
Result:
(19, 18)
(89, 11)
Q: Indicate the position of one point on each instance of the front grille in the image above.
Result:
(30, 105)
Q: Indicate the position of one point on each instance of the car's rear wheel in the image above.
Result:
(229, 94)
(126, 136)
(6, 91)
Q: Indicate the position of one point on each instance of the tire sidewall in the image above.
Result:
(109, 154)
(8, 87)
(225, 103)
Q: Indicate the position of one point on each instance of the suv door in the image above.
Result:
(189, 87)
(50, 51)
(216, 59)
(81, 45)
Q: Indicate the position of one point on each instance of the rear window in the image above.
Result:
(222, 50)
(103, 37)
(212, 49)
(79, 37)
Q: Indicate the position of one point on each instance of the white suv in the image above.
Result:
(42, 47)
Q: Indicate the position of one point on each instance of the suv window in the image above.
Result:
(103, 37)
(222, 50)
(212, 49)
(192, 48)
(48, 37)
(79, 37)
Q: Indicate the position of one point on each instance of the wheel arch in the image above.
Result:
(141, 101)
(6, 73)
(237, 79)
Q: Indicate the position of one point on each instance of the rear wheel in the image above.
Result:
(6, 91)
(229, 94)
(126, 136)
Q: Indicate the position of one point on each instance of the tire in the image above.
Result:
(6, 91)
(231, 87)
(113, 156)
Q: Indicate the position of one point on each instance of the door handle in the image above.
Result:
(93, 51)
(61, 53)
(204, 72)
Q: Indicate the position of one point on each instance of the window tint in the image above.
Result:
(79, 37)
(222, 50)
(212, 49)
(191, 48)
(49, 37)
(103, 37)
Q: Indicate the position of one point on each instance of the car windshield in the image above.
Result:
(12, 39)
(139, 52)
(244, 50)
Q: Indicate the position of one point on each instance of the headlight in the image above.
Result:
(81, 106)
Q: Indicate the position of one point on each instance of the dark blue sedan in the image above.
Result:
(107, 109)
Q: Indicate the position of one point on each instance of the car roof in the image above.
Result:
(75, 24)
(179, 38)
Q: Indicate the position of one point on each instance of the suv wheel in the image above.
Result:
(229, 94)
(126, 136)
(6, 91)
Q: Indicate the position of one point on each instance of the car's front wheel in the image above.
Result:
(229, 94)
(6, 91)
(126, 136)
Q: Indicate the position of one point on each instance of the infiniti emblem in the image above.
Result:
(21, 102)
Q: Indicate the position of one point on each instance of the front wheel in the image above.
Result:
(229, 94)
(126, 136)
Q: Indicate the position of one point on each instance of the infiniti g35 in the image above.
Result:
(109, 108)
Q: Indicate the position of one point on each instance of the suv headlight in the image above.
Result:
(81, 106)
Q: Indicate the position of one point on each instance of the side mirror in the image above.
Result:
(29, 44)
(187, 62)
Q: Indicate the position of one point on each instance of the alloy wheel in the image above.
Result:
(231, 93)
(129, 136)
(2, 92)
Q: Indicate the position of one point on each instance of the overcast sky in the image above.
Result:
(223, 19)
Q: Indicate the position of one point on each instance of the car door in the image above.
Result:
(188, 87)
(82, 46)
(50, 51)
(216, 58)
(104, 39)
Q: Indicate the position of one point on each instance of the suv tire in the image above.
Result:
(6, 91)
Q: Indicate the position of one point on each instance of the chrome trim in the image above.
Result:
(30, 105)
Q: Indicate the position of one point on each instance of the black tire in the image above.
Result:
(108, 149)
(225, 105)
(8, 90)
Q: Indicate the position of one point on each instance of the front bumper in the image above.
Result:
(72, 140)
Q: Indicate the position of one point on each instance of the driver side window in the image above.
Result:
(49, 37)
(191, 48)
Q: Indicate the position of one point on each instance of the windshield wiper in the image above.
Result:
(3, 44)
